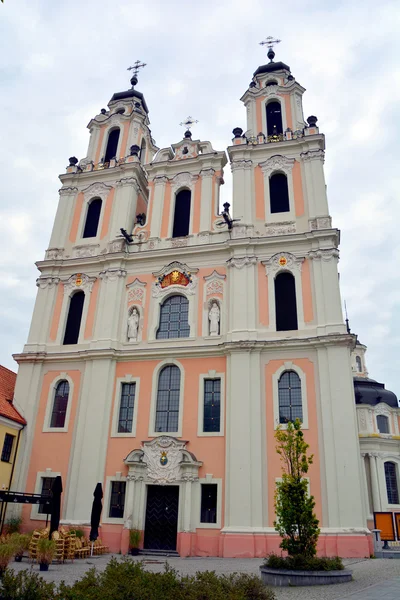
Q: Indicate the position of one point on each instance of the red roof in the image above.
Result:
(7, 385)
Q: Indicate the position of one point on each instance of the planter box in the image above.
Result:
(282, 577)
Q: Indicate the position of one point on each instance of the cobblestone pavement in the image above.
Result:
(376, 579)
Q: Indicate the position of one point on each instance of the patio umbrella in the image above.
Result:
(96, 513)
(56, 492)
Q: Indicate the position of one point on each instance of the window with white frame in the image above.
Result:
(383, 424)
(392, 487)
(74, 318)
(112, 144)
(208, 508)
(126, 407)
(46, 485)
(285, 302)
(168, 394)
(279, 193)
(117, 500)
(174, 318)
(290, 401)
(92, 218)
(212, 405)
(60, 404)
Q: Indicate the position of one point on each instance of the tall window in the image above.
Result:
(126, 407)
(391, 483)
(92, 218)
(7, 447)
(182, 214)
(112, 145)
(167, 411)
(278, 193)
(174, 315)
(47, 484)
(209, 493)
(289, 390)
(383, 424)
(117, 500)
(285, 302)
(143, 152)
(60, 404)
(274, 118)
(358, 363)
(74, 318)
(212, 405)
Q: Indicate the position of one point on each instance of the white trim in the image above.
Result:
(38, 489)
(117, 402)
(208, 479)
(87, 290)
(396, 461)
(153, 403)
(279, 217)
(271, 276)
(107, 499)
(82, 220)
(113, 125)
(50, 402)
(156, 311)
(174, 193)
(289, 366)
(10, 423)
(202, 377)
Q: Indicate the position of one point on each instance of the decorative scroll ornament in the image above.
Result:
(214, 283)
(47, 282)
(85, 251)
(68, 191)
(283, 261)
(313, 155)
(242, 261)
(136, 291)
(183, 179)
(175, 275)
(277, 163)
(80, 281)
(283, 228)
(54, 253)
(112, 274)
(241, 164)
(324, 254)
(130, 182)
(98, 189)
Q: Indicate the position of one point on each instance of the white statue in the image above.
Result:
(133, 325)
(213, 317)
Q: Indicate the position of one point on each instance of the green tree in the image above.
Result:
(295, 522)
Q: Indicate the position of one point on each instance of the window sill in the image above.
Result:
(9, 462)
(123, 435)
(55, 430)
(169, 340)
(210, 434)
(208, 526)
(176, 434)
(112, 521)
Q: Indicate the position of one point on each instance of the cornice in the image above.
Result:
(193, 165)
(189, 351)
(106, 176)
(259, 152)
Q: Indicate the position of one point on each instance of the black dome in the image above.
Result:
(369, 391)
(271, 67)
(130, 94)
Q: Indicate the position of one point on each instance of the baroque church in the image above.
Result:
(169, 340)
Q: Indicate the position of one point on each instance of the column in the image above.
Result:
(125, 203)
(158, 205)
(63, 218)
(109, 306)
(316, 181)
(242, 171)
(43, 311)
(187, 513)
(326, 286)
(364, 486)
(242, 297)
(376, 501)
(206, 207)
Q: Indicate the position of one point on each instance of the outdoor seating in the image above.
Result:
(69, 545)
(59, 541)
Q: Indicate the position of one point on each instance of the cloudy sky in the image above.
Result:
(61, 60)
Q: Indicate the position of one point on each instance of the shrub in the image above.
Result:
(20, 542)
(45, 550)
(134, 538)
(25, 585)
(295, 522)
(13, 524)
(78, 532)
(303, 563)
(6, 554)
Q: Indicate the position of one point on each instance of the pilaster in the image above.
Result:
(242, 172)
(158, 204)
(316, 187)
(44, 306)
(242, 297)
(206, 208)
(327, 292)
(109, 308)
(63, 218)
(125, 203)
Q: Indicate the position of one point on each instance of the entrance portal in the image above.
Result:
(161, 517)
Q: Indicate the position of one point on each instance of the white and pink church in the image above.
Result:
(169, 339)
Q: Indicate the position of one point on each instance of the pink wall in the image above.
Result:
(57, 312)
(75, 219)
(107, 214)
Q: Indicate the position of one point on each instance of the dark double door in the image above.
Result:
(161, 524)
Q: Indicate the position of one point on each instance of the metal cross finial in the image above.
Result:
(188, 122)
(270, 42)
(136, 66)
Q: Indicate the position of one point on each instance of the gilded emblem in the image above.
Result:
(163, 458)
(78, 279)
(283, 261)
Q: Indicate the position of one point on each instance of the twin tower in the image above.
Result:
(169, 339)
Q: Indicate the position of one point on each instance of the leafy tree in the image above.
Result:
(295, 522)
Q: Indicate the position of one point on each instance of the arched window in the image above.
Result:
(358, 363)
(174, 314)
(383, 424)
(143, 152)
(271, 83)
(290, 405)
(60, 404)
(279, 193)
(92, 218)
(112, 145)
(392, 487)
(182, 214)
(167, 411)
(274, 118)
(74, 318)
(285, 302)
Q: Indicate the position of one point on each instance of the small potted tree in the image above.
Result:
(296, 521)
(20, 541)
(45, 552)
(135, 536)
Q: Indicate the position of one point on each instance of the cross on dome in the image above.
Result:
(135, 68)
(188, 122)
(270, 42)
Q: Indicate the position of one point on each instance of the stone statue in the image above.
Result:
(213, 317)
(133, 325)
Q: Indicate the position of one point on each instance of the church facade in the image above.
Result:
(160, 361)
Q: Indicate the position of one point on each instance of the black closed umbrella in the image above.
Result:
(96, 514)
(56, 492)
